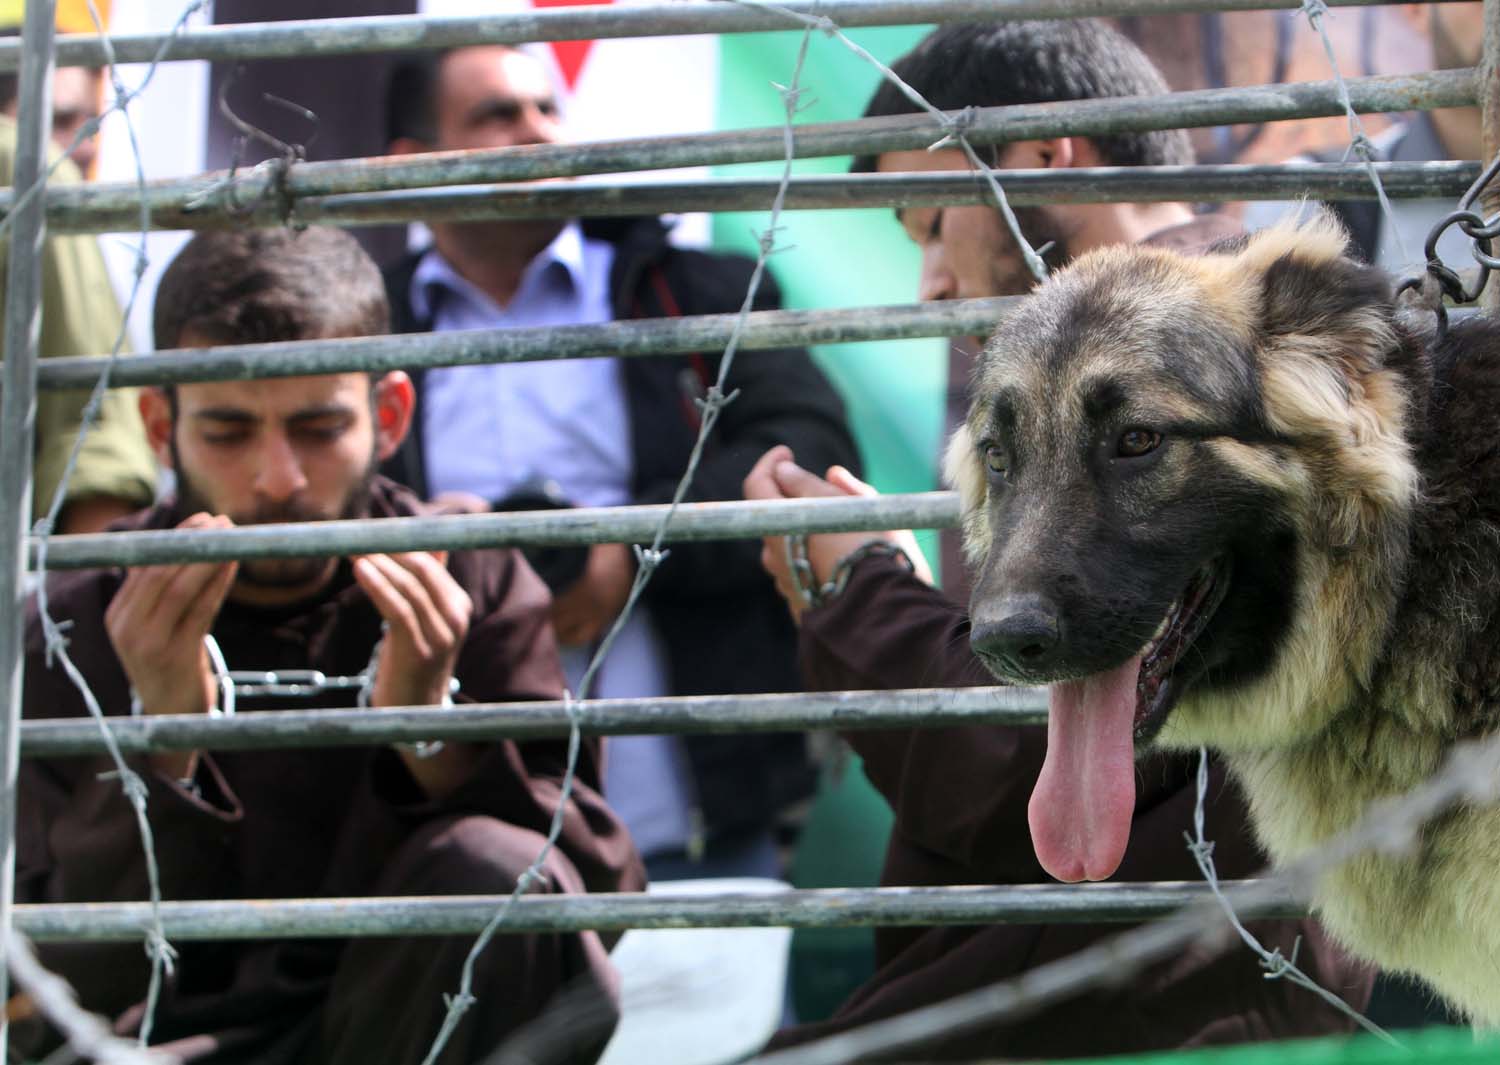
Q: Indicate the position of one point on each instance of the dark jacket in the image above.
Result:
(960, 798)
(723, 625)
(285, 823)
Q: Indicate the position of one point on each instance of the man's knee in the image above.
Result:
(469, 855)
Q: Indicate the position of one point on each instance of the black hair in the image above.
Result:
(998, 64)
(254, 286)
(411, 97)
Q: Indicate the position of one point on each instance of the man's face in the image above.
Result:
(75, 100)
(276, 450)
(968, 251)
(494, 97)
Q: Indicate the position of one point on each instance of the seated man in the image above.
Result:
(960, 794)
(347, 821)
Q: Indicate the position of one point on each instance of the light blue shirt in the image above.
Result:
(492, 429)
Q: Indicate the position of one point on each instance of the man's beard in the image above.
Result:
(1010, 275)
(277, 572)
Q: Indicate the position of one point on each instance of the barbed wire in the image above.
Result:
(1277, 965)
(647, 559)
(1359, 141)
(160, 952)
(84, 1034)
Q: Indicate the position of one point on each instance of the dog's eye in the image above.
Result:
(1137, 442)
(995, 460)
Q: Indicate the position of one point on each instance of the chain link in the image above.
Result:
(1441, 282)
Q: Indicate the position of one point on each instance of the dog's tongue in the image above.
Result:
(1081, 808)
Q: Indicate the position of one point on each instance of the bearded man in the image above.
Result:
(427, 629)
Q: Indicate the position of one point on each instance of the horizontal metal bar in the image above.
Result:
(633, 339)
(607, 198)
(211, 194)
(585, 525)
(245, 731)
(352, 36)
(435, 916)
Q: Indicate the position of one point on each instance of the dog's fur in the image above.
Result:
(1344, 461)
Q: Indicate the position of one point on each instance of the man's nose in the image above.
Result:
(937, 282)
(1022, 631)
(280, 474)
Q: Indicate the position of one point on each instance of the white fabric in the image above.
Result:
(699, 996)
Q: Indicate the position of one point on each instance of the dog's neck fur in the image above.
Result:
(1406, 698)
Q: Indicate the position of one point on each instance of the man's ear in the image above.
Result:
(156, 414)
(394, 402)
(1055, 154)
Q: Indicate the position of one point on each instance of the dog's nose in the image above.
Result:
(1023, 631)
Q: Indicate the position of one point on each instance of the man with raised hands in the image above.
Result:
(411, 629)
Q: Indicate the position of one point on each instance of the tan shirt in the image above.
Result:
(80, 316)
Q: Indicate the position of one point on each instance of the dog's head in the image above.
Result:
(1184, 482)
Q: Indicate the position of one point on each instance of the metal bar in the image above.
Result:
(634, 339)
(23, 322)
(735, 520)
(1489, 103)
(436, 916)
(352, 36)
(280, 729)
(73, 210)
(213, 194)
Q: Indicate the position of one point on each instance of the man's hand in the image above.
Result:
(588, 606)
(156, 623)
(777, 476)
(427, 617)
(427, 614)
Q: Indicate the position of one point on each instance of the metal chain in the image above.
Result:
(1439, 281)
(814, 594)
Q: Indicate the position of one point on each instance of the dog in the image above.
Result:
(1242, 500)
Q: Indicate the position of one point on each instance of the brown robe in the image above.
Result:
(342, 821)
(960, 796)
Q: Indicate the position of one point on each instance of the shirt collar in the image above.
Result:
(435, 276)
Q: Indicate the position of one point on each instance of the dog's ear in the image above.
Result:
(1328, 353)
(1315, 298)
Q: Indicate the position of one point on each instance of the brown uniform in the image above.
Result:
(344, 821)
